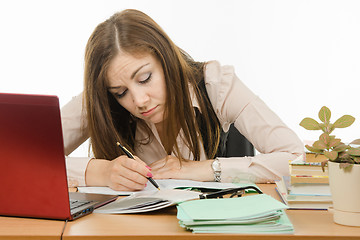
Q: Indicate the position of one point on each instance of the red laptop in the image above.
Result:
(32, 163)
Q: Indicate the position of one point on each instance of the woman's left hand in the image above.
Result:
(171, 168)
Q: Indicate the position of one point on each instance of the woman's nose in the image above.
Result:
(140, 98)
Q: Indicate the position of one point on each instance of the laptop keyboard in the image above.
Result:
(77, 203)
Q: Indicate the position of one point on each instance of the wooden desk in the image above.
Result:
(12, 228)
(308, 224)
(163, 224)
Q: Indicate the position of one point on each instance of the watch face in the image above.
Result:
(216, 165)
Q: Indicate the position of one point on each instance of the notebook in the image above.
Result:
(33, 176)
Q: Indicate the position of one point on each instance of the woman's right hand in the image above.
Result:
(120, 174)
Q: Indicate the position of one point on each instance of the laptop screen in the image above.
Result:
(33, 172)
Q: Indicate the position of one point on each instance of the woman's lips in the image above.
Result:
(147, 113)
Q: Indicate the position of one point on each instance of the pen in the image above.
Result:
(129, 154)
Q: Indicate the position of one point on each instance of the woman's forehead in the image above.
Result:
(126, 64)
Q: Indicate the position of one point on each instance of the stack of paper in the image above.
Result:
(250, 214)
(148, 201)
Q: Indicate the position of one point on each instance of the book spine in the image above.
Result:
(308, 164)
(308, 179)
(309, 172)
(308, 169)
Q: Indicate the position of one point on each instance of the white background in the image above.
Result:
(296, 55)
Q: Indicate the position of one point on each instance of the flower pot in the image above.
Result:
(345, 191)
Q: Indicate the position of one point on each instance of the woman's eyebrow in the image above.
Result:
(132, 75)
(137, 70)
(109, 88)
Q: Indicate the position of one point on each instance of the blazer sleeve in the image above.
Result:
(74, 134)
(235, 103)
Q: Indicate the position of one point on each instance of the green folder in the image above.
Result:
(250, 214)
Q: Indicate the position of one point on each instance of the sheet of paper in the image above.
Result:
(173, 195)
(165, 184)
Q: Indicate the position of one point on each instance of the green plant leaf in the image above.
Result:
(341, 147)
(322, 127)
(310, 124)
(354, 151)
(324, 114)
(312, 149)
(326, 127)
(344, 155)
(325, 138)
(356, 142)
(319, 145)
(344, 121)
(330, 128)
(334, 142)
(331, 155)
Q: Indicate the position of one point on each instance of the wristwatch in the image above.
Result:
(217, 170)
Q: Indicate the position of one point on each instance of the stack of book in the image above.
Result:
(307, 187)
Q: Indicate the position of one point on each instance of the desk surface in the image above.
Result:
(27, 228)
(163, 224)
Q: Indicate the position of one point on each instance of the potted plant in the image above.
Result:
(343, 161)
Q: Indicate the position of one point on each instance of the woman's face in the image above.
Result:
(138, 84)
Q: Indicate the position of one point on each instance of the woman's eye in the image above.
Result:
(120, 95)
(148, 77)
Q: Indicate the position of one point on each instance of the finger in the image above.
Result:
(158, 164)
(133, 171)
(121, 187)
(170, 167)
(121, 183)
(133, 164)
(128, 178)
(129, 173)
(136, 165)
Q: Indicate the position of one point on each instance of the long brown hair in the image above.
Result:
(134, 32)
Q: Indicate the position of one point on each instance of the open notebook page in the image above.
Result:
(166, 184)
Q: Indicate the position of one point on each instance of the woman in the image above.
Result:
(145, 92)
